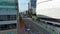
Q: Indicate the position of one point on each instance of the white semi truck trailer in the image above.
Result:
(48, 11)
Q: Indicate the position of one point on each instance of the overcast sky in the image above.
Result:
(23, 5)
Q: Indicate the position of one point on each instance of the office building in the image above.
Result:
(32, 7)
(8, 16)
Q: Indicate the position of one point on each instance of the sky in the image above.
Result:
(23, 5)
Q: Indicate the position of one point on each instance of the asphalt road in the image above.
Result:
(34, 29)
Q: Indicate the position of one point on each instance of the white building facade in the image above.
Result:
(49, 9)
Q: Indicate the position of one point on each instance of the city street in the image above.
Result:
(33, 28)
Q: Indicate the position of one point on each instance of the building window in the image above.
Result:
(7, 17)
(8, 26)
(11, 17)
(33, 3)
(5, 3)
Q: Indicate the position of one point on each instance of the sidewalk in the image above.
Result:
(22, 25)
(22, 30)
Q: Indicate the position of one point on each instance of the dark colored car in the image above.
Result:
(27, 27)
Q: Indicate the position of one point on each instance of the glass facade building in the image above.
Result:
(33, 7)
(8, 15)
(33, 3)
